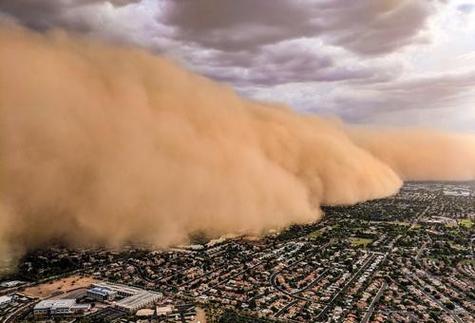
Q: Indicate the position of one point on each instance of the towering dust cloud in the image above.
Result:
(105, 145)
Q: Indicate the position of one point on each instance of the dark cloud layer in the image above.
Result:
(421, 94)
(43, 14)
(375, 27)
(368, 27)
(273, 64)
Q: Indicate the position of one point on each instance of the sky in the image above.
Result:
(385, 62)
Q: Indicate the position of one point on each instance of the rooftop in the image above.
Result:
(5, 299)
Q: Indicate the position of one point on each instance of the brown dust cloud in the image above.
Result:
(103, 144)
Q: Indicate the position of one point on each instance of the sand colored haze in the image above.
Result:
(101, 144)
(421, 154)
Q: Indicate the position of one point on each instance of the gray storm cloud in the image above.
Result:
(101, 144)
(43, 14)
(365, 27)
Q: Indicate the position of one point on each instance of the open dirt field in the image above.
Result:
(58, 287)
(200, 316)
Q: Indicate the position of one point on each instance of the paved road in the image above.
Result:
(273, 282)
(12, 317)
(283, 309)
(345, 286)
(242, 270)
(312, 283)
(441, 305)
(373, 302)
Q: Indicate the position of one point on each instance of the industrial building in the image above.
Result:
(121, 290)
(164, 310)
(141, 300)
(133, 299)
(59, 307)
(101, 294)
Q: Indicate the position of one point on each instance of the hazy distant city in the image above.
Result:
(408, 258)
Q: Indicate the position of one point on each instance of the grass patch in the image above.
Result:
(400, 223)
(315, 234)
(360, 242)
(405, 224)
(451, 225)
(466, 223)
(318, 233)
(468, 262)
(456, 246)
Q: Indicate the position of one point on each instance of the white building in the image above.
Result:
(138, 301)
(11, 283)
(101, 293)
(120, 289)
(134, 298)
(5, 301)
(164, 310)
(59, 307)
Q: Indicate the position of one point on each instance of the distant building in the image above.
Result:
(59, 307)
(136, 302)
(197, 247)
(12, 283)
(134, 298)
(164, 310)
(121, 290)
(176, 313)
(5, 301)
(145, 313)
(101, 294)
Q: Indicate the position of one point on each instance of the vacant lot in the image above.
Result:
(58, 287)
